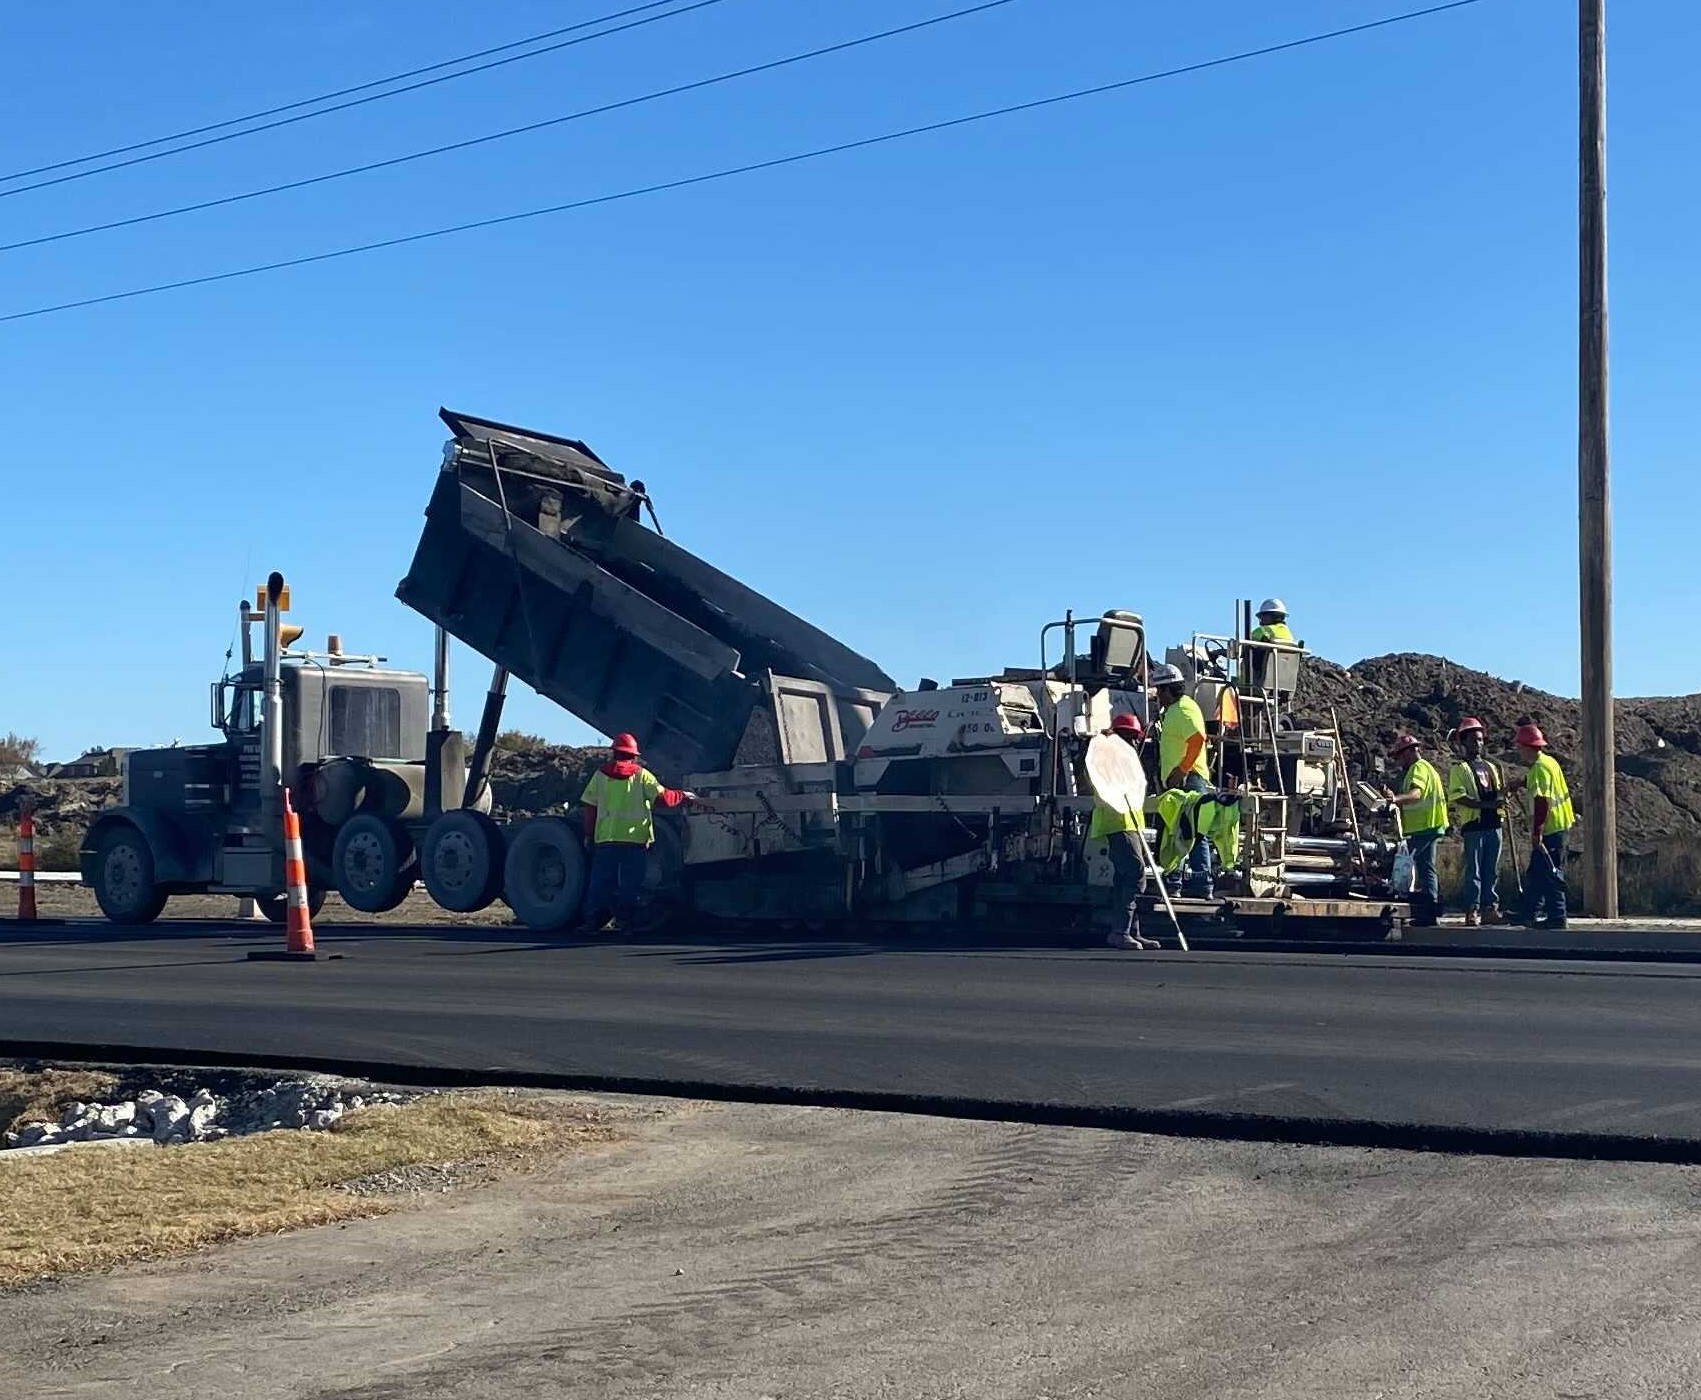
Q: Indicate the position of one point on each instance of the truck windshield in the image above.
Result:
(245, 709)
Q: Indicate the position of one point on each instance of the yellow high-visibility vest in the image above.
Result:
(625, 807)
(1181, 721)
(1431, 813)
(1547, 779)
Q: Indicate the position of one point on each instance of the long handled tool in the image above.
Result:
(1153, 873)
(1512, 844)
(1352, 806)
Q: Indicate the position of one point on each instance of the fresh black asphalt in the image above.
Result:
(1565, 1058)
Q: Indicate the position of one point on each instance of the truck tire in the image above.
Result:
(373, 863)
(124, 878)
(276, 907)
(544, 874)
(461, 861)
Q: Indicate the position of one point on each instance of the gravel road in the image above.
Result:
(745, 1252)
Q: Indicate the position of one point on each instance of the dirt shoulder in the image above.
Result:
(742, 1251)
(58, 900)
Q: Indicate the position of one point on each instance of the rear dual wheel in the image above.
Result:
(461, 861)
(544, 874)
(373, 863)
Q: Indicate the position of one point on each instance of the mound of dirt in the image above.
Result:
(63, 808)
(537, 779)
(1658, 740)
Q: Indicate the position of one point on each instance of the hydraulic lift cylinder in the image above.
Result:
(478, 775)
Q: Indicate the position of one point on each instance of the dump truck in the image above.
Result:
(830, 794)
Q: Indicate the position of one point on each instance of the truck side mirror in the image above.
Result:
(218, 705)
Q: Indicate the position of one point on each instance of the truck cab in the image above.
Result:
(193, 819)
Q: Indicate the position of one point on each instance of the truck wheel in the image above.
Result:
(544, 874)
(373, 863)
(276, 907)
(124, 878)
(460, 861)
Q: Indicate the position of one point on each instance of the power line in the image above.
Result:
(344, 106)
(750, 168)
(606, 107)
(332, 96)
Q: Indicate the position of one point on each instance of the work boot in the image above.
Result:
(1473, 919)
(1551, 923)
(1492, 915)
(1123, 939)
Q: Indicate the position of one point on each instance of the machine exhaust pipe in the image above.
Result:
(271, 713)
(437, 736)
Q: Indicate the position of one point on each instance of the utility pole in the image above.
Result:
(1594, 500)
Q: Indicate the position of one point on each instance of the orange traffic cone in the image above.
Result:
(26, 865)
(298, 924)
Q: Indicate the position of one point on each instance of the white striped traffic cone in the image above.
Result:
(26, 865)
(298, 924)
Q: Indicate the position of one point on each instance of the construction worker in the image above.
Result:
(1182, 763)
(1120, 830)
(1551, 817)
(1273, 623)
(1421, 801)
(620, 802)
(1476, 790)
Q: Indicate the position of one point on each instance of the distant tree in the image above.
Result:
(513, 741)
(15, 749)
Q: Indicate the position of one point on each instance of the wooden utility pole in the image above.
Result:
(1594, 500)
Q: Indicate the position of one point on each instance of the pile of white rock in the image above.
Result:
(153, 1116)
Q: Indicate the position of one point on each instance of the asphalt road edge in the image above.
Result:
(1180, 1123)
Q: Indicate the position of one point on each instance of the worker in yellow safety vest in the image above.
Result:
(1551, 818)
(1476, 790)
(1420, 799)
(620, 802)
(1184, 764)
(1273, 623)
(1119, 828)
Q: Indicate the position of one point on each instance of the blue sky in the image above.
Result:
(1303, 325)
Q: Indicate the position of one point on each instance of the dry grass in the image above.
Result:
(60, 851)
(1668, 882)
(40, 1096)
(1664, 884)
(92, 1208)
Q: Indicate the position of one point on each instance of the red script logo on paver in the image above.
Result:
(914, 719)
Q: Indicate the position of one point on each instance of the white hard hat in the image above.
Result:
(1273, 605)
(1166, 675)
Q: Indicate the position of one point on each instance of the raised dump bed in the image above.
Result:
(534, 555)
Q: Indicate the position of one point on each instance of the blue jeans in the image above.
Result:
(1196, 880)
(1482, 861)
(617, 880)
(1130, 882)
(1544, 882)
(1426, 898)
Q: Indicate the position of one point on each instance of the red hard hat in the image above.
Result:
(1471, 724)
(1404, 742)
(1530, 736)
(626, 744)
(1127, 724)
